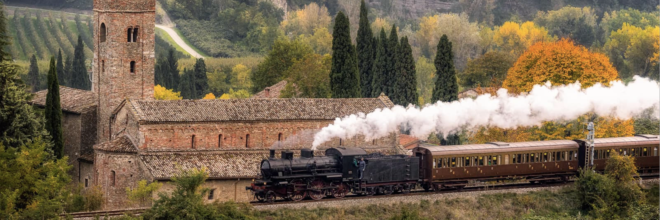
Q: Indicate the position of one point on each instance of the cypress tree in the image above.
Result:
(406, 80)
(446, 85)
(161, 72)
(392, 61)
(378, 82)
(53, 111)
(33, 74)
(173, 67)
(80, 78)
(365, 51)
(200, 80)
(60, 68)
(186, 86)
(5, 40)
(68, 72)
(344, 75)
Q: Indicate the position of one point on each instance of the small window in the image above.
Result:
(655, 151)
(192, 142)
(453, 162)
(129, 34)
(219, 140)
(494, 160)
(86, 182)
(102, 33)
(481, 161)
(211, 192)
(103, 66)
(570, 155)
(112, 178)
(467, 161)
(645, 152)
(135, 34)
(132, 66)
(247, 140)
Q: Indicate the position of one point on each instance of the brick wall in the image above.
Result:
(223, 190)
(114, 173)
(71, 130)
(113, 78)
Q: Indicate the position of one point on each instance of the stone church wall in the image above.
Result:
(114, 173)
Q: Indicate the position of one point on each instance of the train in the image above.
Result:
(431, 167)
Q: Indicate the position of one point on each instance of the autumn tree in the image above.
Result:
(379, 77)
(306, 20)
(273, 69)
(378, 24)
(487, 70)
(365, 51)
(614, 20)
(575, 23)
(405, 88)
(162, 93)
(309, 78)
(634, 51)
(540, 64)
(463, 34)
(241, 77)
(344, 75)
(236, 94)
(515, 38)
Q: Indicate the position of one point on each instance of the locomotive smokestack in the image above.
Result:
(272, 153)
(306, 153)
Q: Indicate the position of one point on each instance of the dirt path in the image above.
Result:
(177, 39)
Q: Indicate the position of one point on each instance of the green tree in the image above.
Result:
(33, 74)
(186, 86)
(622, 169)
(487, 70)
(344, 75)
(309, 78)
(405, 89)
(425, 79)
(646, 123)
(365, 52)
(5, 40)
(186, 201)
(173, 67)
(54, 111)
(446, 84)
(379, 78)
(60, 68)
(614, 20)
(161, 72)
(68, 72)
(392, 61)
(575, 23)
(80, 78)
(142, 194)
(273, 69)
(200, 80)
(634, 51)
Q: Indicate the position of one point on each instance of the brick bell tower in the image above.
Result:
(124, 55)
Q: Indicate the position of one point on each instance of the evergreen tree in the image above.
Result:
(186, 86)
(365, 51)
(60, 68)
(33, 74)
(173, 67)
(378, 80)
(392, 61)
(80, 78)
(344, 75)
(54, 111)
(200, 80)
(406, 81)
(161, 73)
(446, 85)
(68, 72)
(5, 40)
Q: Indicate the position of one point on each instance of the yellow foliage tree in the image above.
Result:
(209, 96)
(634, 51)
(306, 20)
(560, 62)
(515, 38)
(162, 93)
(380, 23)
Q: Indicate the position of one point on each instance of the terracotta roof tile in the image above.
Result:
(273, 91)
(219, 164)
(254, 109)
(72, 100)
(122, 144)
(408, 141)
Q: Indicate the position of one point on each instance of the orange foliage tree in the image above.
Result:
(560, 62)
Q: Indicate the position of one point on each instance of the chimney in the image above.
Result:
(267, 92)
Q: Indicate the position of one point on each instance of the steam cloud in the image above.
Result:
(542, 103)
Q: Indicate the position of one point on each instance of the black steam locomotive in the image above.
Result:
(335, 174)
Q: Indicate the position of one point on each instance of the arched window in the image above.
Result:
(102, 32)
(135, 34)
(192, 142)
(279, 139)
(247, 140)
(132, 66)
(129, 34)
(219, 140)
(112, 178)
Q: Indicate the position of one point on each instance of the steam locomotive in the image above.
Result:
(336, 174)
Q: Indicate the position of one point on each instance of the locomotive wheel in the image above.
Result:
(371, 191)
(387, 190)
(297, 192)
(316, 191)
(340, 191)
(405, 189)
(298, 196)
(270, 197)
(260, 196)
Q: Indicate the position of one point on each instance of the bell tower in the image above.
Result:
(124, 55)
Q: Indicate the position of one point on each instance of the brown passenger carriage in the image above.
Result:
(644, 148)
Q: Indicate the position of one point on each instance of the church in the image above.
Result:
(117, 134)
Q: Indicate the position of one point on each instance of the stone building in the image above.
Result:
(117, 135)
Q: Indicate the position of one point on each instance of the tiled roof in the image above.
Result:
(254, 109)
(122, 144)
(87, 157)
(273, 91)
(407, 141)
(72, 100)
(219, 164)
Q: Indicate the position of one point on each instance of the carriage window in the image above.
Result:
(655, 151)
(459, 162)
(570, 156)
(519, 158)
(494, 160)
(453, 162)
(645, 152)
(545, 157)
(467, 161)
(513, 158)
(531, 158)
(596, 154)
(632, 152)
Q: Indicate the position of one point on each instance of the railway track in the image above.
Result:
(109, 213)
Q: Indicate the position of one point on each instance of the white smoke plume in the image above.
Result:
(542, 103)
